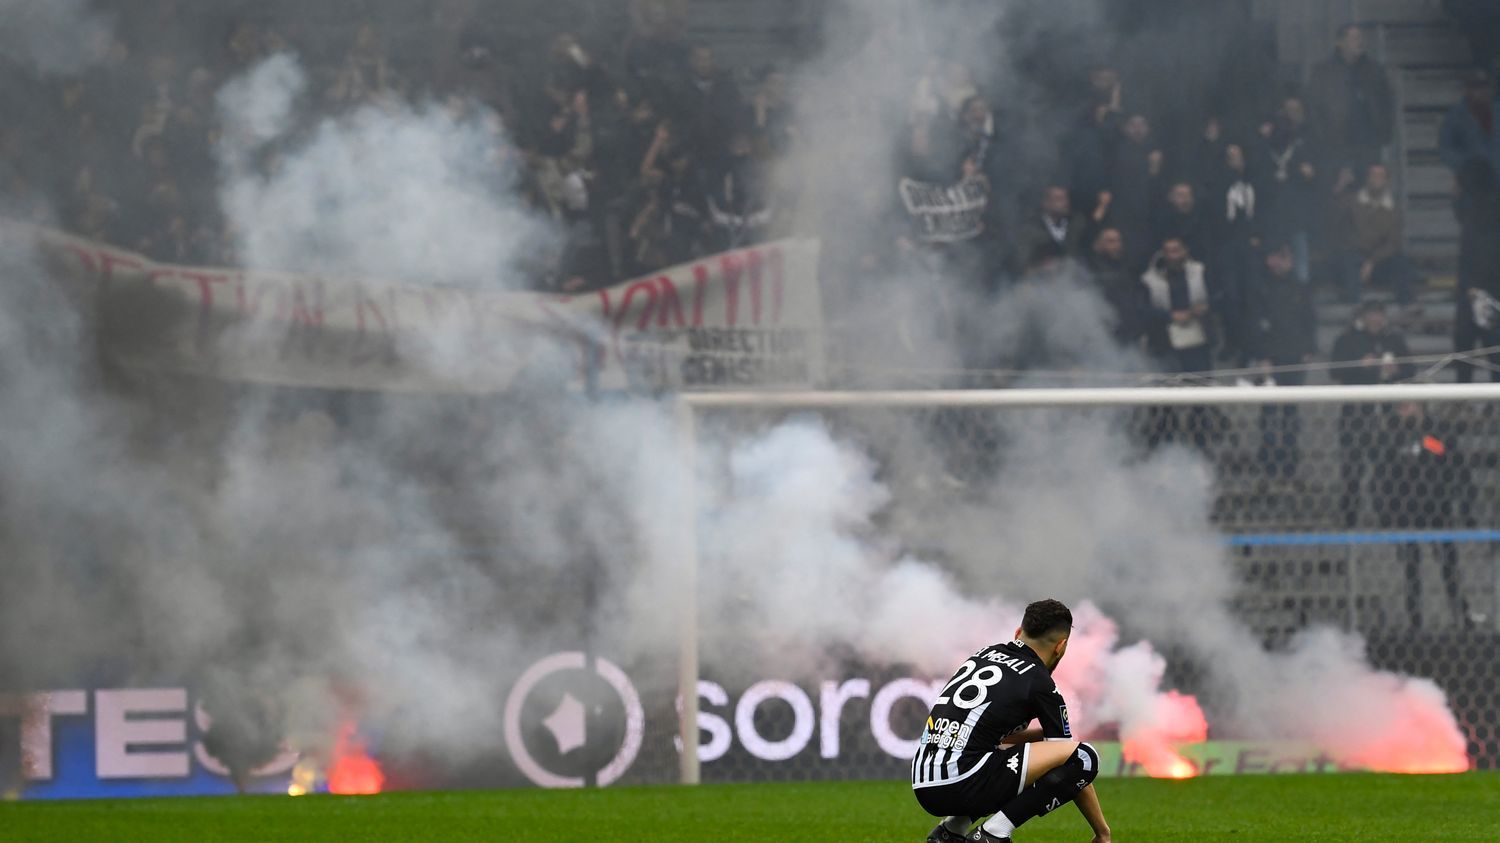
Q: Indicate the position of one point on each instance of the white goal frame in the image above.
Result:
(689, 405)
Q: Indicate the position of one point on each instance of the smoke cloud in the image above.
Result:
(435, 181)
(53, 36)
(406, 556)
(807, 577)
(1056, 503)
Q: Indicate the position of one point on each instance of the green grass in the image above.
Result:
(1244, 809)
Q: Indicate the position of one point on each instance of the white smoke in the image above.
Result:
(298, 547)
(257, 107)
(390, 191)
(800, 575)
(53, 36)
(1061, 504)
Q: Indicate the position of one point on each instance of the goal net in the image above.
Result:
(1337, 543)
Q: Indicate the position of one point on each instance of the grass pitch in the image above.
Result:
(1240, 809)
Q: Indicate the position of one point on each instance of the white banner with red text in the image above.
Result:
(751, 317)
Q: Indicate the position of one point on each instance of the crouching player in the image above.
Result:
(977, 758)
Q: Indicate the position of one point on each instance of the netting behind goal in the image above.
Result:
(1380, 519)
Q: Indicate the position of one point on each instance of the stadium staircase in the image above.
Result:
(1427, 55)
(750, 37)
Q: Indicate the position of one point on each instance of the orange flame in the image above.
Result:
(1182, 769)
(1427, 740)
(1178, 719)
(1413, 755)
(353, 771)
(304, 777)
(1158, 759)
(1424, 766)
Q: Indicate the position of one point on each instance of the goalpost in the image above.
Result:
(691, 405)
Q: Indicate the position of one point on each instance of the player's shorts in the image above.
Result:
(981, 790)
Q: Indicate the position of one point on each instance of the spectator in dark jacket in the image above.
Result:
(1379, 350)
(1480, 21)
(1207, 157)
(1089, 152)
(1421, 480)
(738, 198)
(1179, 216)
(710, 102)
(1133, 314)
(1279, 322)
(771, 115)
(1286, 181)
(1134, 184)
(1055, 225)
(1279, 330)
(1371, 251)
(1235, 230)
(1352, 104)
(1380, 355)
(1477, 316)
(1469, 134)
(1468, 131)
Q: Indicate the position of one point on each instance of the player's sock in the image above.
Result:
(958, 825)
(1057, 788)
(999, 825)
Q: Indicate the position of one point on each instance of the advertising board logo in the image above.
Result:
(565, 716)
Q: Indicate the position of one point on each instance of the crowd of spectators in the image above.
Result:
(648, 159)
(1205, 247)
(1193, 240)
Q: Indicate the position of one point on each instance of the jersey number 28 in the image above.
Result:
(971, 693)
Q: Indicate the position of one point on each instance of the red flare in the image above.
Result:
(352, 770)
(1159, 760)
(1422, 736)
(1178, 719)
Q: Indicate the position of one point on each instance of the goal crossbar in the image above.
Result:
(1102, 397)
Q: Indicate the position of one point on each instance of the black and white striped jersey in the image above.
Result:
(993, 695)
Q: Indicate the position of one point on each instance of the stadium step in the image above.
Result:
(1397, 11)
(1427, 55)
(752, 36)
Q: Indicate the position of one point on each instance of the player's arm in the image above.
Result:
(1051, 714)
(1088, 805)
(1031, 735)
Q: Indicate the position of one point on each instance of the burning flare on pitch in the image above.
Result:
(1370, 719)
(1151, 743)
(305, 777)
(351, 771)
(1123, 687)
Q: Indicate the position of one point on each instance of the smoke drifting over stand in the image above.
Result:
(1074, 509)
(415, 192)
(54, 36)
(322, 551)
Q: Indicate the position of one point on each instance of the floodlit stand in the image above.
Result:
(690, 404)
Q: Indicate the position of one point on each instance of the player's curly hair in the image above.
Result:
(1047, 619)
